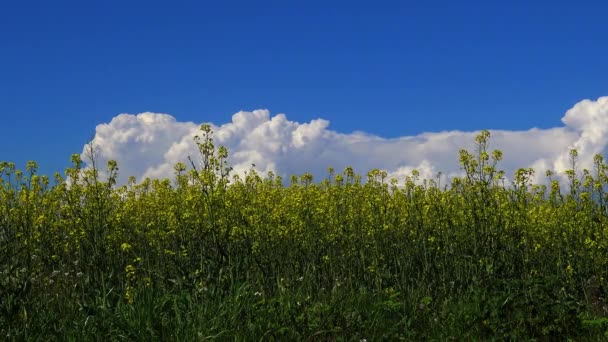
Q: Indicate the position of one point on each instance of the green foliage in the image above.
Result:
(207, 256)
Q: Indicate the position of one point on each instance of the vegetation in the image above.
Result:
(208, 256)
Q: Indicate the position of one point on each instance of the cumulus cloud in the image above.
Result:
(149, 145)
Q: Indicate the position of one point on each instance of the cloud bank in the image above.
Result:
(150, 144)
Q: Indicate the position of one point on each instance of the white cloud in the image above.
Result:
(149, 145)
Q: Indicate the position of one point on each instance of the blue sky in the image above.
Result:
(387, 68)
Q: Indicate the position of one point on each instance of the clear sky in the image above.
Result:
(387, 68)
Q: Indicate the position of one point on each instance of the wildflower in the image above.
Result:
(130, 270)
(129, 295)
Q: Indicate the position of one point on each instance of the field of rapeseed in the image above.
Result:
(209, 256)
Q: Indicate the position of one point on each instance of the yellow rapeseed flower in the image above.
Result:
(569, 270)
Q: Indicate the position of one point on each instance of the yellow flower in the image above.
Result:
(130, 270)
(569, 270)
(129, 294)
